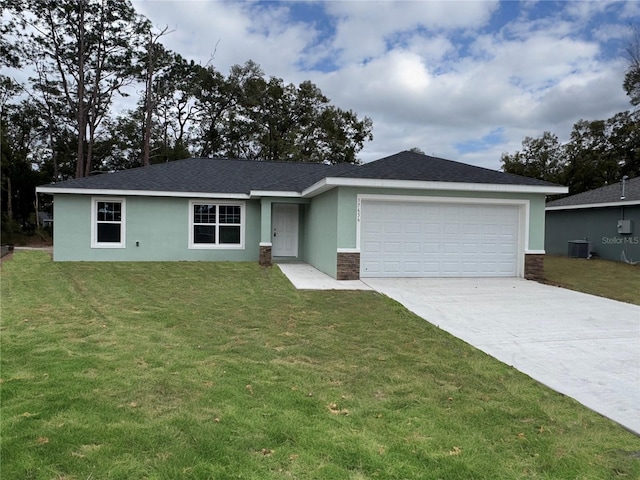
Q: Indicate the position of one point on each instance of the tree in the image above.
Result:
(85, 52)
(631, 82)
(541, 158)
(282, 122)
(155, 59)
(8, 54)
(342, 135)
(624, 138)
(220, 107)
(86, 49)
(23, 146)
(590, 160)
(599, 153)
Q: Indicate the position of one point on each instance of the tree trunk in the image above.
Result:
(82, 120)
(9, 199)
(148, 100)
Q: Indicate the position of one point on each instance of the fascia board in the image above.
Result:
(273, 193)
(318, 188)
(138, 193)
(331, 182)
(594, 205)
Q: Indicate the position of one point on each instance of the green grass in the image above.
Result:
(224, 370)
(616, 280)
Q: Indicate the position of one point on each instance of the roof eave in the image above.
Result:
(332, 182)
(621, 203)
(274, 193)
(138, 193)
(320, 187)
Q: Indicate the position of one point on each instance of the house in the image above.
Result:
(407, 215)
(604, 222)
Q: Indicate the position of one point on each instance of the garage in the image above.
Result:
(435, 238)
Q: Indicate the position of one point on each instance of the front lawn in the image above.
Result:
(605, 278)
(224, 370)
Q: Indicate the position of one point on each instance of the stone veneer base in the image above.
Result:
(265, 256)
(348, 266)
(534, 267)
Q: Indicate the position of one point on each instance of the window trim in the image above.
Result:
(94, 223)
(217, 246)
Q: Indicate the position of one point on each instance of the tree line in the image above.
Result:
(598, 153)
(87, 56)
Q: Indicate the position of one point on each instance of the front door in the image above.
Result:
(284, 235)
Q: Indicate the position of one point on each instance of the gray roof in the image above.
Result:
(409, 165)
(210, 175)
(223, 175)
(608, 194)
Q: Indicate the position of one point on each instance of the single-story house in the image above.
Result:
(604, 222)
(406, 215)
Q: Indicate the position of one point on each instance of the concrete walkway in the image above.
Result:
(306, 277)
(580, 345)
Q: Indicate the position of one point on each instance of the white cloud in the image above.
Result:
(431, 74)
(366, 29)
(588, 9)
(234, 31)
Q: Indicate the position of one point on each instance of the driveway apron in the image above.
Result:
(580, 345)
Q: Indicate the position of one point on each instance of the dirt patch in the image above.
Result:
(6, 253)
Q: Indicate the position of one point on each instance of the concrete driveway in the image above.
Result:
(583, 346)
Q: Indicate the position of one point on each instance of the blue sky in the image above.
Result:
(464, 80)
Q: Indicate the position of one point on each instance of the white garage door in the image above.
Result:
(415, 239)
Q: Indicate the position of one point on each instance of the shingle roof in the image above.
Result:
(210, 175)
(232, 176)
(409, 165)
(608, 194)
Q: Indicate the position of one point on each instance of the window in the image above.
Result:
(108, 223)
(216, 225)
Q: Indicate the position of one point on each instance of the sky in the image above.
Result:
(465, 80)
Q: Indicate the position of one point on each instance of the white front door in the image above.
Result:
(284, 234)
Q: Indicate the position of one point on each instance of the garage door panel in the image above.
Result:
(412, 247)
(411, 267)
(392, 227)
(438, 239)
(392, 247)
(412, 228)
(451, 248)
(371, 227)
(507, 248)
(470, 247)
(370, 247)
(391, 267)
(452, 229)
(450, 267)
(430, 247)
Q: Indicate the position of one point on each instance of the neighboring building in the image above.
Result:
(604, 222)
(407, 215)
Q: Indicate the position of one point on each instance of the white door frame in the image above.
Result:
(284, 230)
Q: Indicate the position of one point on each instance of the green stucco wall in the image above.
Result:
(599, 227)
(159, 224)
(320, 233)
(348, 204)
(328, 222)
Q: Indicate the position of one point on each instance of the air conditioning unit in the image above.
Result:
(579, 249)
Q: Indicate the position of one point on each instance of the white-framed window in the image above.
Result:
(216, 224)
(108, 222)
